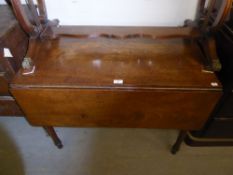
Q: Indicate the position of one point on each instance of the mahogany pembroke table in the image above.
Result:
(139, 77)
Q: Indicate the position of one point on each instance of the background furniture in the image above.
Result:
(12, 37)
(219, 128)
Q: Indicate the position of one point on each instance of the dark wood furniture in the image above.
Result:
(147, 77)
(74, 82)
(218, 131)
(12, 38)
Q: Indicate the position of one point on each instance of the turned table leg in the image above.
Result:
(52, 133)
(175, 148)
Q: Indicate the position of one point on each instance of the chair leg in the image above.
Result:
(175, 148)
(52, 133)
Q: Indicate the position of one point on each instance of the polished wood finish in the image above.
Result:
(117, 76)
(175, 109)
(164, 85)
(141, 63)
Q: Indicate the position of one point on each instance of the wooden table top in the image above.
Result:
(95, 63)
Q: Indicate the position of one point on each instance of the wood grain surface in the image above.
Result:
(176, 109)
(162, 83)
(140, 63)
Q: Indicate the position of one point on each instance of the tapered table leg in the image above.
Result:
(175, 148)
(52, 133)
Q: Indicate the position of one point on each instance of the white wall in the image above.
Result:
(122, 12)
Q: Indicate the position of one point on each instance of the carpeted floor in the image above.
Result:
(26, 150)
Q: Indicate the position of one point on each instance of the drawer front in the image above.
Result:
(8, 107)
(117, 108)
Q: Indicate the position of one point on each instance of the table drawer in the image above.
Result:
(117, 108)
(8, 107)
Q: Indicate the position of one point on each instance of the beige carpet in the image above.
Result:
(26, 150)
